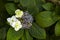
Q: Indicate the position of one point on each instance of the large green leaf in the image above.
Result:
(57, 29)
(13, 35)
(23, 37)
(10, 7)
(26, 36)
(37, 32)
(45, 19)
(16, 1)
(33, 10)
(48, 6)
(32, 6)
(29, 3)
(39, 4)
(10, 0)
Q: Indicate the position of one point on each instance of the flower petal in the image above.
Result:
(8, 19)
(19, 13)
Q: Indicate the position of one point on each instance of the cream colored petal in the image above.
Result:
(18, 13)
(17, 26)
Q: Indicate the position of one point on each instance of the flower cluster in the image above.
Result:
(14, 22)
(20, 20)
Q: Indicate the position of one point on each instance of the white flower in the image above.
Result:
(18, 26)
(12, 19)
(18, 13)
(15, 23)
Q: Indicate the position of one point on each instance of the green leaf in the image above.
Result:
(57, 10)
(33, 10)
(37, 32)
(30, 5)
(2, 33)
(39, 4)
(26, 36)
(13, 35)
(57, 29)
(48, 6)
(26, 3)
(33, 6)
(45, 19)
(10, 7)
(23, 37)
(10, 0)
(16, 1)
